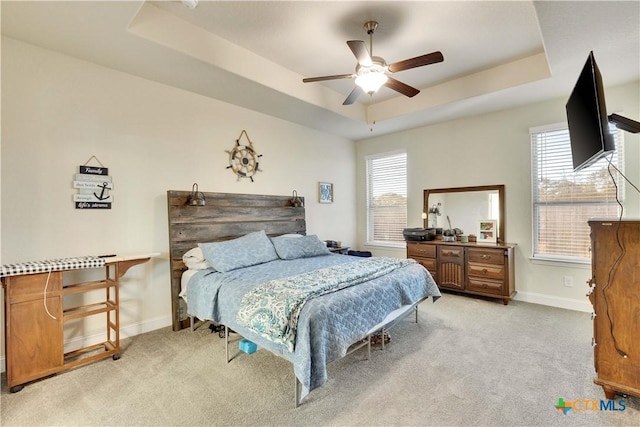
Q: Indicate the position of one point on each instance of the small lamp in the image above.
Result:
(295, 200)
(197, 197)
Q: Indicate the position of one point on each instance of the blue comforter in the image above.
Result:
(327, 325)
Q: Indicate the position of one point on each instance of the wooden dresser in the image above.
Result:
(471, 268)
(615, 295)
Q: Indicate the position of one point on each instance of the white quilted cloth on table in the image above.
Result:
(46, 266)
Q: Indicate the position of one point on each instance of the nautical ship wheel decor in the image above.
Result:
(243, 159)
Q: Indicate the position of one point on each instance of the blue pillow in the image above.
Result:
(251, 249)
(299, 247)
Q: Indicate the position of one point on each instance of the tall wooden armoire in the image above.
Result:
(615, 295)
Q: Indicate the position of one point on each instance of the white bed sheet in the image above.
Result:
(184, 282)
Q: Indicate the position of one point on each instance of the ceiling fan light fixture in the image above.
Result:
(370, 79)
(371, 71)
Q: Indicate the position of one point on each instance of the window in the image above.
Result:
(563, 201)
(386, 198)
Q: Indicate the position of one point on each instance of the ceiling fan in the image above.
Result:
(371, 71)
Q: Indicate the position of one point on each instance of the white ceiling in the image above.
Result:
(497, 54)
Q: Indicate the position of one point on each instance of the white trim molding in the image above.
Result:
(552, 301)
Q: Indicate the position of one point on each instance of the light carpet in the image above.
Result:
(467, 362)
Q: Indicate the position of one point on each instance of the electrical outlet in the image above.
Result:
(568, 281)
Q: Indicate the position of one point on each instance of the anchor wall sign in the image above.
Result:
(94, 185)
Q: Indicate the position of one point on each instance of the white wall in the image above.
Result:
(59, 111)
(495, 149)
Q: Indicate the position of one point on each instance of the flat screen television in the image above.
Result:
(587, 118)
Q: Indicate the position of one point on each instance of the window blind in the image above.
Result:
(564, 200)
(386, 197)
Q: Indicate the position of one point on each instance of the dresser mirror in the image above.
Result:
(464, 208)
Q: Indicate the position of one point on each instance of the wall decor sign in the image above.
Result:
(487, 231)
(325, 192)
(243, 159)
(94, 185)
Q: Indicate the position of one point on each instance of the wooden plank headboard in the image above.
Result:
(225, 216)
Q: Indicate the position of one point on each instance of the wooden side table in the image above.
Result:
(35, 315)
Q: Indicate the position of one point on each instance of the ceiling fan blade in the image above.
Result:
(418, 61)
(319, 79)
(355, 93)
(360, 51)
(404, 89)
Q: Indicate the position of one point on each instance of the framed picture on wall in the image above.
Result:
(487, 229)
(325, 192)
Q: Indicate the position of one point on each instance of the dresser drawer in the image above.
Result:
(417, 250)
(486, 286)
(486, 256)
(450, 254)
(30, 287)
(485, 271)
(428, 263)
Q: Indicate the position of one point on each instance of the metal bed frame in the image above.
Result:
(389, 322)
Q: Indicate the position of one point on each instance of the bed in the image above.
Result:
(327, 323)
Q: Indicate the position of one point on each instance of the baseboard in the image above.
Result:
(559, 302)
(126, 331)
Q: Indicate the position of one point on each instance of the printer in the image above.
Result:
(419, 234)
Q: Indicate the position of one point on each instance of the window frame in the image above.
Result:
(370, 241)
(556, 259)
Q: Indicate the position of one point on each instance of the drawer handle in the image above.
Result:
(485, 257)
(450, 253)
(484, 270)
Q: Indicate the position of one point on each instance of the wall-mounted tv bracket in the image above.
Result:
(624, 123)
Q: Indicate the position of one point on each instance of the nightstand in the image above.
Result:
(339, 250)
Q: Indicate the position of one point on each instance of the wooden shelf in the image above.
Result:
(82, 357)
(79, 288)
(89, 310)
